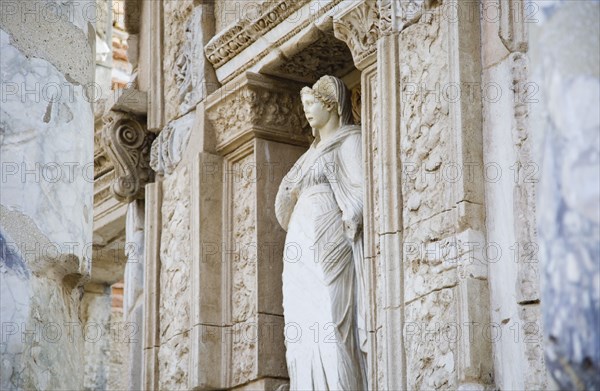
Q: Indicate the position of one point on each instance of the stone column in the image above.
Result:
(133, 300)
(511, 174)
(424, 217)
(237, 315)
(152, 242)
(46, 152)
(564, 48)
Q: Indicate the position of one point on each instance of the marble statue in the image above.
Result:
(320, 204)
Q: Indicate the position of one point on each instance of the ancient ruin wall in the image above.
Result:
(46, 141)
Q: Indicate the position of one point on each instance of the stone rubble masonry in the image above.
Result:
(174, 302)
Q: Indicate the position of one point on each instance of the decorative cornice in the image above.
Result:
(226, 45)
(257, 107)
(127, 144)
(359, 28)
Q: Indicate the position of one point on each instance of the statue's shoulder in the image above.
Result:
(353, 139)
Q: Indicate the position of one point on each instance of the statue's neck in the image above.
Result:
(329, 129)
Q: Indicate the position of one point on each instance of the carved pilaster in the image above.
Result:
(513, 25)
(471, 296)
(397, 14)
(370, 122)
(151, 334)
(359, 28)
(127, 144)
(156, 98)
(391, 221)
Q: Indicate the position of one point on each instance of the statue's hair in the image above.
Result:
(332, 91)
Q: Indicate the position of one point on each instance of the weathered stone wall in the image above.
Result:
(108, 339)
(441, 230)
(46, 132)
(186, 26)
(177, 41)
(175, 256)
(430, 283)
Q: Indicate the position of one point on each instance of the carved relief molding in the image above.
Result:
(513, 27)
(528, 270)
(156, 99)
(256, 106)
(397, 14)
(127, 144)
(359, 28)
(168, 146)
(226, 45)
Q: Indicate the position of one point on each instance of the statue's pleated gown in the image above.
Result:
(319, 277)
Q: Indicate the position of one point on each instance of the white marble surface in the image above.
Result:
(48, 132)
(319, 204)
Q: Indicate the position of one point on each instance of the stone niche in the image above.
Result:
(237, 323)
(258, 131)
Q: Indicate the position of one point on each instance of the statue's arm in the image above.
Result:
(284, 205)
(286, 199)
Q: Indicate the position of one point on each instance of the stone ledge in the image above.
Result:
(226, 45)
(129, 100)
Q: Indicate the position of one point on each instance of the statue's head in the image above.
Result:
(328, 97)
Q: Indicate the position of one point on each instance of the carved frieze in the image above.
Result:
(169, 145)
(257, 107)
(127, 144)
(191, 77)
(232, 41)
(359, 28)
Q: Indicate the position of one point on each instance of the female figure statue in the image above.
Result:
(319, 204)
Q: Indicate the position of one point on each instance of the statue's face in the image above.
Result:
(316, 113)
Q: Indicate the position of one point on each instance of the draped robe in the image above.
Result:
(323, 279)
